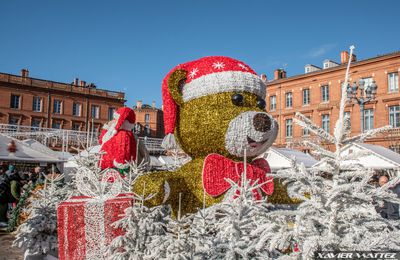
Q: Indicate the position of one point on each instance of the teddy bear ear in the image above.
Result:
(175, 85)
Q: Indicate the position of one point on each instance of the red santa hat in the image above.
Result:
(207, 76)
(124, 116)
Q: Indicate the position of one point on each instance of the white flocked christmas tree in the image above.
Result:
(38, 235)
(338, 209)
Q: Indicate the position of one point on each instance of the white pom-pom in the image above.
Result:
(169, 142)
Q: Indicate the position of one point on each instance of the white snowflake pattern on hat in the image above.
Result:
(243, 66)
(193, 73)
(218, 65)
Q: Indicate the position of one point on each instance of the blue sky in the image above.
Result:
(130, 45)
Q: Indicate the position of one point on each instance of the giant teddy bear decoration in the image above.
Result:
(214, 109)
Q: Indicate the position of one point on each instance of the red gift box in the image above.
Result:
(84, 225)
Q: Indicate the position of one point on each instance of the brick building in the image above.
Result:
(149, 119)
(42, 103)
(316, 94)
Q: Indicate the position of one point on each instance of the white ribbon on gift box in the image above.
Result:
(100, 188)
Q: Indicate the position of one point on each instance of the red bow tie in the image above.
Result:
(217, 168)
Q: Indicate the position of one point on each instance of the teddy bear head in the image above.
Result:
(216, 105)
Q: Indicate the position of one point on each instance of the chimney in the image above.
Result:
(344, 57)
(76, 82)
(153, 104)
(139, 104)
(83, 83)
(24, 73)
(279, 74)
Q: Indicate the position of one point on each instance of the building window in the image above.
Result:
(346, 118)
(306, 131)
(13, 120)
(95, 111)
(76, 109)
(394, 116)
(272, 103)
(111, 111)
(76, 126)
(368, 119)
(36, 123)
(393, 82)
(325, 93)
(147, 118)
(306, 96)
(37, 104)
(15, 100)
(289, 128)
(57, 106)
(325, 123)
(289, 100)
(56, 124)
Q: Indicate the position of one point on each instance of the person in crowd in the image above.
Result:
(53, 172)
(10, 191)
(3, 168)
(389, 210)
(36, 176)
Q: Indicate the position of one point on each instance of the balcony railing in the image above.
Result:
(394, 132)
(51, 136)
(63, 138)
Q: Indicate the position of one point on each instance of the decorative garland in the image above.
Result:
(13, 221)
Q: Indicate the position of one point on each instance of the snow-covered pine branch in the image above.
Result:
(338, 212)
(306, 123)
(134, 171)
(38, 235)
(367, 134)
(318, 150)
(142, 226)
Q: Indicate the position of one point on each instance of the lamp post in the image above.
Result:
(365, 94)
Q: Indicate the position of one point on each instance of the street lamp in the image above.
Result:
(365, 95)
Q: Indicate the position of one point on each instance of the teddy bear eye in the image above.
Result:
(261, 103)
(237, 99)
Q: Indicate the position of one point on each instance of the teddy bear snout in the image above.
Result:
(262, 122)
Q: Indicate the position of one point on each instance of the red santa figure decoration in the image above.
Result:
(117, 140)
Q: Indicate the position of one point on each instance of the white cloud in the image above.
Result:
(320, 51)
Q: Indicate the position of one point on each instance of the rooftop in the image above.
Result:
(339, 67)
(48, 84)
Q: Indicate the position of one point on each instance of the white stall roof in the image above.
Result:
(378, 157)
(24, 152)
(37, 146)
(280, 158)
(91, 150)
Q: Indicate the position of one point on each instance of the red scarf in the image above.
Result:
(217, 168)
